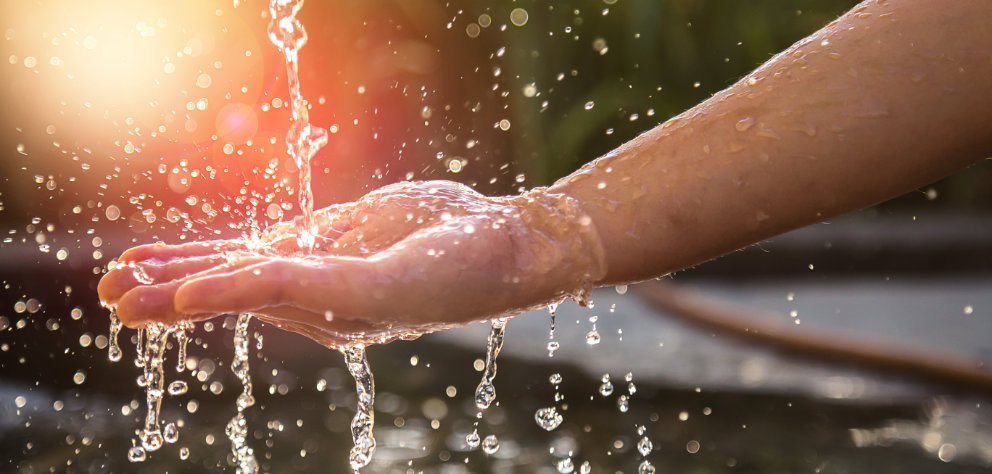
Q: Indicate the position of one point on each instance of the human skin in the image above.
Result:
(891, 96)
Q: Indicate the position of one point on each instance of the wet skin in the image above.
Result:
(468, 256)
(889, 97)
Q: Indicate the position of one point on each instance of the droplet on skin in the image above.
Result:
(744, 124)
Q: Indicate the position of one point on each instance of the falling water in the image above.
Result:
(182, 338)
(548, 417)
(237, 429)
(113, 349)
(485, 393)
(302, 140)
(153, 379)
(361, 424)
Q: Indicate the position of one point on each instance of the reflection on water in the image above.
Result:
(948, 429)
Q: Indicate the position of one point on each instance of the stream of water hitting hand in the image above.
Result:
(303, 140)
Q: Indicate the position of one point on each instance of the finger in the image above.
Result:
(124, 277)
(161, 251)
(332, 283)
(145, 304)
(155, 302)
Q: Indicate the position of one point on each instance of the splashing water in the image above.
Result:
(302, 140)
(361, 425)
(237, 429)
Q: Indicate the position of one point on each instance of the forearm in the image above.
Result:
(887, 98)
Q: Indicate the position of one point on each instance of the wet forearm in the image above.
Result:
(889, 97)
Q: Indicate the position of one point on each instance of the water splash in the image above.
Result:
(361, 425)
(237, 429)
(302, 139)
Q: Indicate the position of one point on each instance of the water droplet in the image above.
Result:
(490, 445)
(472, 30)
(589, 105)
(170, 433)
(273, 211)
(644, 446)
(592, 338)
(623, 403)
(177, 387)
(744, 124)
(566, 466)
(184, 453)
(599, 45)
(518, 16)
(969, 309)
(548, 418)
(585, 468)
(530, 90)
(152, 440)
(136, 454)
(472, 439)
(606, 388)
(552, 347)
(645, 467)
(555, 378)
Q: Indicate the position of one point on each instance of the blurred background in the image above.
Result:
(134, 122)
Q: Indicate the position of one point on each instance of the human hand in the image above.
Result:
(403, 260)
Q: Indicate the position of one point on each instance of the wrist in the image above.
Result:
(561, 246)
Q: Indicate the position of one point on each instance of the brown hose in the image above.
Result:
(693, 307)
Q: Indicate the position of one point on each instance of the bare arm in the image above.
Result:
(891, 96)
